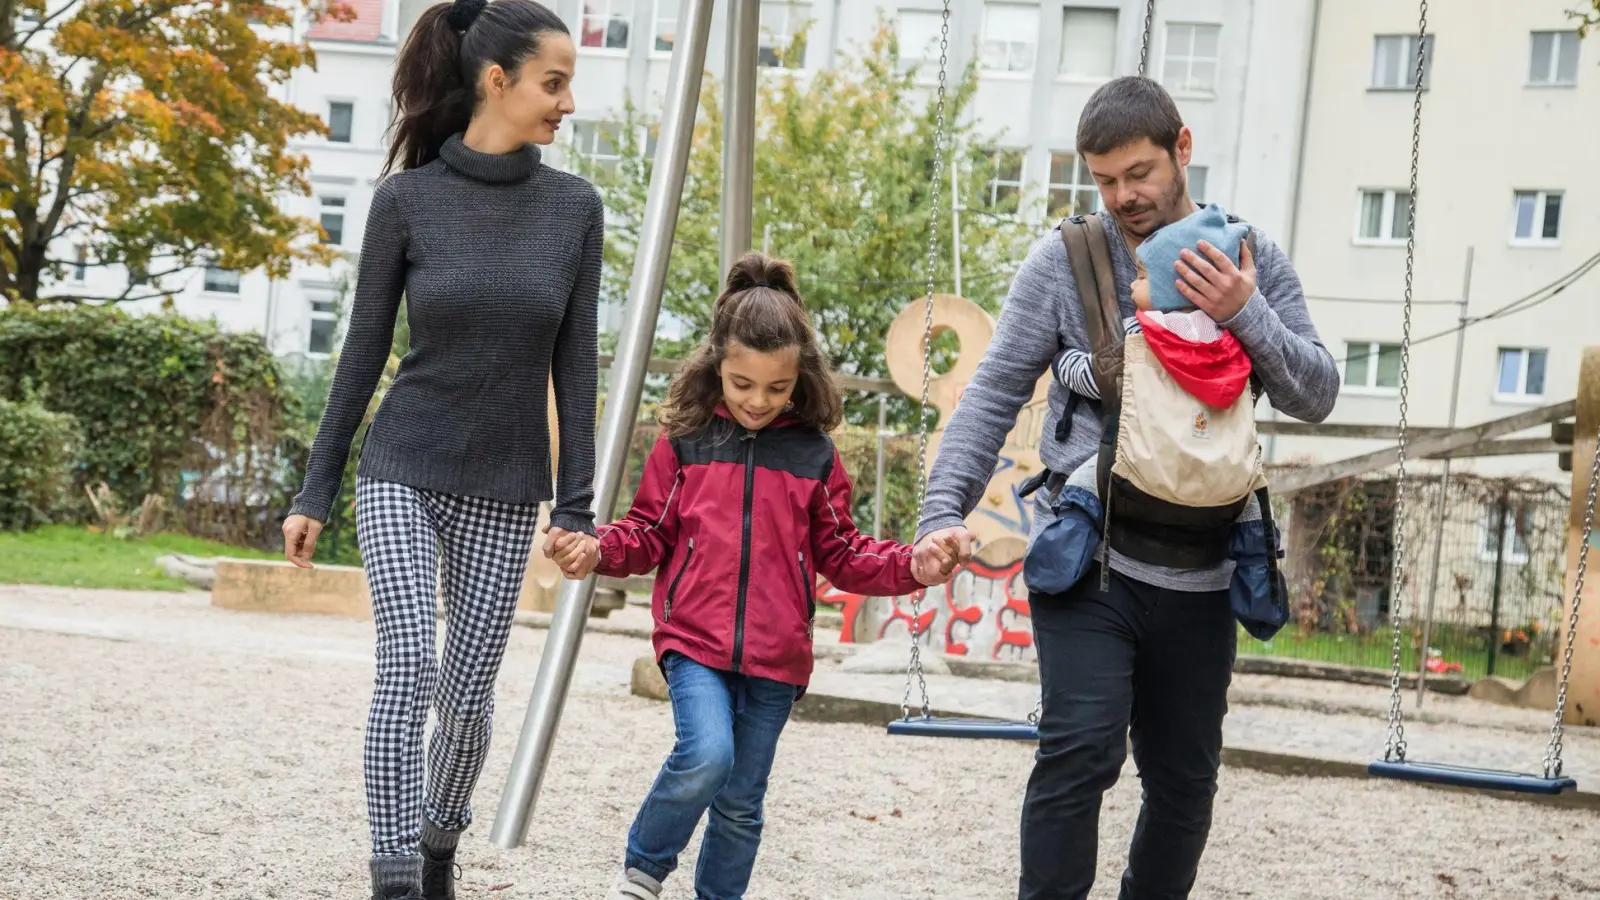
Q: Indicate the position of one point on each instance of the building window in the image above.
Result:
(1190, 62)
(1538, 217)
(221, 281)
(1394, 62)
(138, 274)
(1197, 183)
(666, 25)
(1088, 42)
(1384, 216)
(1372, 366)
(332, 219)
(606, 23)
(919, 32)
(80, 267)
(1072, 189)
(324, 326)
(1010, 37)
(1521, 374)
(783, 41)
(1554, 58)
(341, 118)
(1005, 187)
(1513, 529)
(598, 142)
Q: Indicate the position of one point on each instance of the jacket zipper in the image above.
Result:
(744, 549)
(672, 589)
(807, 585)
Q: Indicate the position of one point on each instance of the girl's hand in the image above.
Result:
(946, 554)
(300, 540)
(575, 552)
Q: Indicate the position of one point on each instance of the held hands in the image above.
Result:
(575, 552)
(936, 556)
(300, 540)
(1213, 283)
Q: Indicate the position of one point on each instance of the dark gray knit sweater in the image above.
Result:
(498, 258)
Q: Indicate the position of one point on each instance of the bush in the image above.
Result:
(168, 407)
(37, 448)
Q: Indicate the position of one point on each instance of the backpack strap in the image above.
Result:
(1089, 254)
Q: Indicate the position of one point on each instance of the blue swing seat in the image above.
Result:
(1466, 777)
(952, 727)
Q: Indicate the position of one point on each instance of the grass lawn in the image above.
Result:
(72, 556)
(1374, 652)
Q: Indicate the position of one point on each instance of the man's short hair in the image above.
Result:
(1126, 109)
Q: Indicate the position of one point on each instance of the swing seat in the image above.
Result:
(1467, 777)
(972, 728)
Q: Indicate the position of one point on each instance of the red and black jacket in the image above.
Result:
(740, 523)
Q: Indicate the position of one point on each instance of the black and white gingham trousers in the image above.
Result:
(483, 544)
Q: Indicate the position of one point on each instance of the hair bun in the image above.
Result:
(464, 12)
(754, 270)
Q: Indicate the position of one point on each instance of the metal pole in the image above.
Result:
(739, 130)
(1500, 529)
(1442, 510)
(877, 488)
(616, 426)
(955, 221)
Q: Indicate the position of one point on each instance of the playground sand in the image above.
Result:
(153, 747)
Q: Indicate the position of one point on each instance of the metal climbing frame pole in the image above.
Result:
(616, 426)
(739, 129)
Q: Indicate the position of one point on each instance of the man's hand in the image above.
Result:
(575, 552)
(937, 555)
(1213, 283)
(300, 540)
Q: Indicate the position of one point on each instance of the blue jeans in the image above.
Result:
(728, 727)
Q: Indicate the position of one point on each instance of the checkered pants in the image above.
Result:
(483, 544)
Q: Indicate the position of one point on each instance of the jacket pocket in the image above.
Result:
(808, 588)
(1258, 593)
(1065, 549)
(672, 589)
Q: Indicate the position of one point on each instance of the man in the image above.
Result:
(1155, 650)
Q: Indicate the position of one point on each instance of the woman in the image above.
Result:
(498, 257)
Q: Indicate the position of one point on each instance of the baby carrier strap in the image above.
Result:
(1089, 254)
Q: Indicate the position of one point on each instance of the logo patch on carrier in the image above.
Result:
(1200, 427)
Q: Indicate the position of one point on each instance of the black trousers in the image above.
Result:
(1140, 659)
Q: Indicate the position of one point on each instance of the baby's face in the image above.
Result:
(1141, 289)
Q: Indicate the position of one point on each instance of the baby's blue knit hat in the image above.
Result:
(1159, 252)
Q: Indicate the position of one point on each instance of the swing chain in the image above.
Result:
(1552, 756)
(1144, 46)
(914, 669)
(1395, 747)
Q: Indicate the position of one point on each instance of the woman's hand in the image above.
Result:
(300, 540)
(942, 557)
(575, 552)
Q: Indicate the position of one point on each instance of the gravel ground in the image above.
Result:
(153, 747)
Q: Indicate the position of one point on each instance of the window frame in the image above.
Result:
(923, 68)
(1205, 182)
(1408, 66)
(766, 50)
(1189, 59)
(656, 18)
(207, 287)
(1009, 73)
(996, 183)
(333, 204)
(1374, 353)
(609, 162)
(1541, 198)
(1521, 395)
(1074, 186)
(315, 315)
(350, 129)
(1557, 40)
(1077, 78)
(1508, 534)
(1391, 205)
(609, 16)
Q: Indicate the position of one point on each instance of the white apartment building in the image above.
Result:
(1507, 126)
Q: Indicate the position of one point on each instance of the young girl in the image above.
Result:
(743, 502)
(498, 258)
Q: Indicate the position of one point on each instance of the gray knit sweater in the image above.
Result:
(498, 258)
(1043, 315)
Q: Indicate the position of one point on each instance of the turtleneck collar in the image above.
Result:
(495, 169)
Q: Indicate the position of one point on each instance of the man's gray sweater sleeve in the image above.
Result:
(1300, 376)
(1025, 341)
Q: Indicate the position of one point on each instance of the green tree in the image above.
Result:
(1588, 18)
(842, 180)
(146, 132)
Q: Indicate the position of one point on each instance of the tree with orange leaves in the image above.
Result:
(146, 133)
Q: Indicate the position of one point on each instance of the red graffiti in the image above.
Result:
(962, 611)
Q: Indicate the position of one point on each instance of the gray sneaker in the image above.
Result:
(635, 885)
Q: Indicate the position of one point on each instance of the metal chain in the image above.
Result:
(1144, 45)
(1395, 748)
(1552, 755)
(914, 669)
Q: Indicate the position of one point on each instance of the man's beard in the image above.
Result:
(1168, 208)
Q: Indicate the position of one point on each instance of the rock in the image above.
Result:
(1494, 689)
(200, 572)
(889, 657)
(1538, 692)
(647, 680)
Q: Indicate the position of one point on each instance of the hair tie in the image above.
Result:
(764, 284)
(464, 12)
